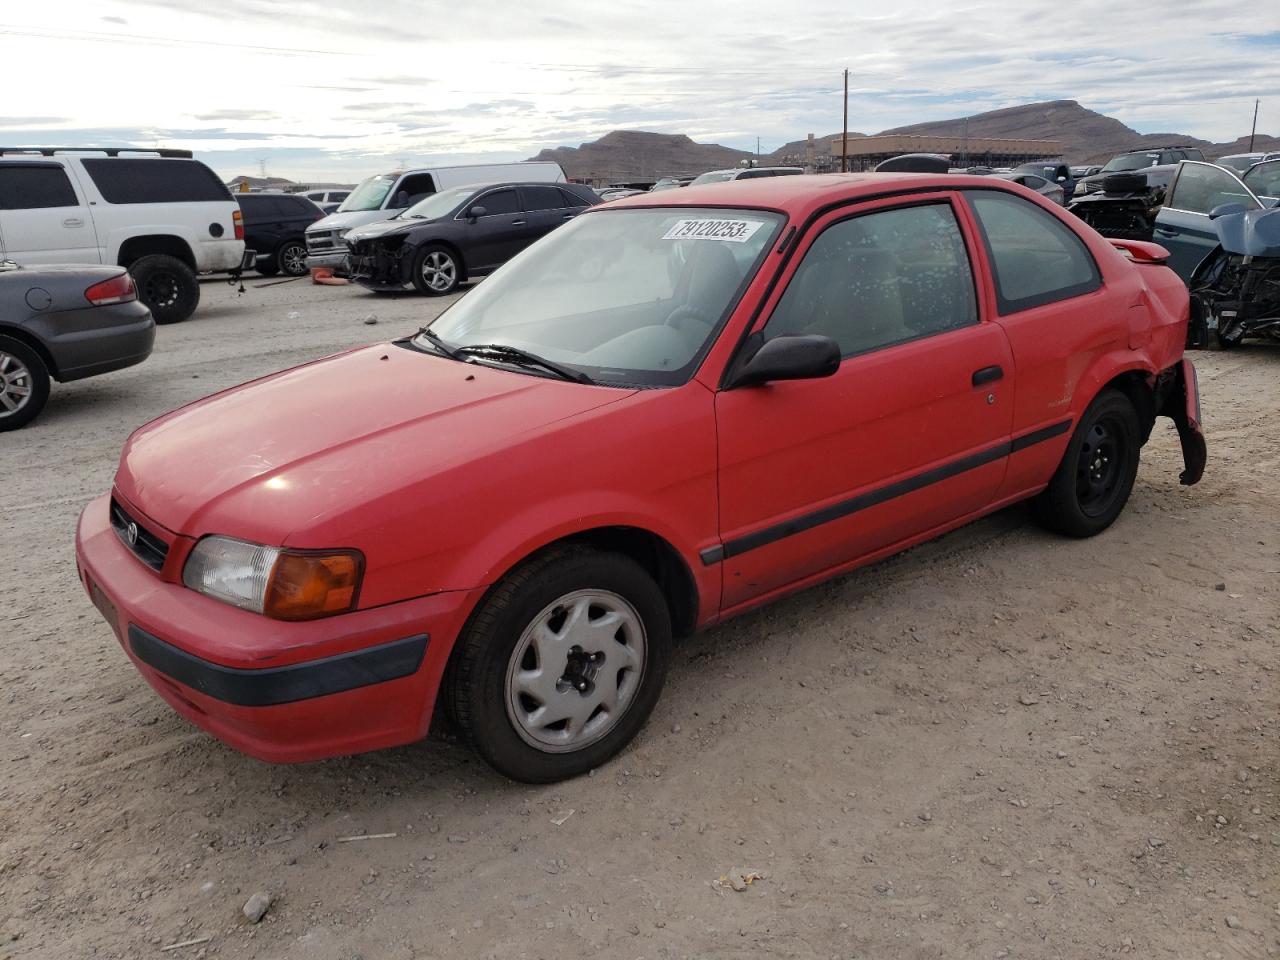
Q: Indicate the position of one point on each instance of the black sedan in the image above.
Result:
(64, 322)
(460, 234)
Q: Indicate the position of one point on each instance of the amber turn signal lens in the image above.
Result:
(305, 586)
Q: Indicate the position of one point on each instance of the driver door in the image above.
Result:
(500, 234)
(1183, 226)
(911, 432)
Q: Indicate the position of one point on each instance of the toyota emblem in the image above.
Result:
(131, 534)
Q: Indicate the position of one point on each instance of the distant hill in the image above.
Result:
(1086, 136)
(637, 154)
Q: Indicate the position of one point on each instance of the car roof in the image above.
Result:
(804, 194)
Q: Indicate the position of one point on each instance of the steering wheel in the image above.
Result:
(676, 319)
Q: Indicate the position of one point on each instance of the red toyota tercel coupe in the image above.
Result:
(672, 409)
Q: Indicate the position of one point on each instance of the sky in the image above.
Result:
(335, 92)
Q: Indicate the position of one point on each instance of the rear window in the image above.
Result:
(128, 180)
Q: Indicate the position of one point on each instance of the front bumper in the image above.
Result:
(282, 692)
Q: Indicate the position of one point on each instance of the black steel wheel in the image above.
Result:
(1096, 475)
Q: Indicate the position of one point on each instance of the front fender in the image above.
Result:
(522, 534)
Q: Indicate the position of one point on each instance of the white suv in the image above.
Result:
(161, 214)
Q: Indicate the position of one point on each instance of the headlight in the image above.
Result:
(279, 583)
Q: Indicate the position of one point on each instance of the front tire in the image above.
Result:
(436, 271)
(1093, 482)
(24, 384)
(561, 664)
(167, 286)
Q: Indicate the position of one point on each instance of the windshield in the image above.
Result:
(438, 204)
(716, 176)
(628, 297)
(1131, 161)
(1264, 179)
(369, 195)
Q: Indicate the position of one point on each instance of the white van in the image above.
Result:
(383, 196)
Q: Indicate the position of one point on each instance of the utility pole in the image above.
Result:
(757, 151)
(1253, 131)
(844, 137)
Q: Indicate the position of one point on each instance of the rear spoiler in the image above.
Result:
(1140, 251)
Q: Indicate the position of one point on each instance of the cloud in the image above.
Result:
(363, 84)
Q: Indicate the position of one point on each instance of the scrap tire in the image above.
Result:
(1093, 482)
(1124, 182)
(494, 647)
(167, 286)
(33, 383)
(266, 267)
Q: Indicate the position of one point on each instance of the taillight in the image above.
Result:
(116, 290)
(237, 220)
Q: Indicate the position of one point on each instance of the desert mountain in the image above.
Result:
(636, 154)
(1086, 136)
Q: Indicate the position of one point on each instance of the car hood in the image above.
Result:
(352, 218)
(279, 455)
(372, 231)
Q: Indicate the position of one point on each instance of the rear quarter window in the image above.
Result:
(146, 180)
(1036, 258)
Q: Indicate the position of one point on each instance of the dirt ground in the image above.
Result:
(1001, 744)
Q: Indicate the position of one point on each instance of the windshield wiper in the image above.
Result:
(503, 351)
(438, 342)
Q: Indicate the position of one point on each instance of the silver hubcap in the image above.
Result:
(575, 670)
(295, 260)
(15, 384)
(439, 271)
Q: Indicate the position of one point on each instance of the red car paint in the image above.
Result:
(446, 475)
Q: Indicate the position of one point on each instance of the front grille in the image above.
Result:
(324, 241)
(146, 546)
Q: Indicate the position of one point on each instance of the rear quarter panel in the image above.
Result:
(1066, 352)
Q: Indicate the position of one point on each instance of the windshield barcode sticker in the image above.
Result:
(732, 231)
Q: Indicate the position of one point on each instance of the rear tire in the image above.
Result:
(167, 286)
(291, 258)
(24, 384)
(1093, 482)
(561, 664)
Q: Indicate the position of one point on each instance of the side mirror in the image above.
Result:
(789, 357)
(476, 211)
(1225, 210)
(1062, 179)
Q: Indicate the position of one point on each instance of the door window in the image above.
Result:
(572, 200)
(1264, 179)
(411, 189)
(32, 187)
(498, 203)
(1202, 186)
(879, 279)
(541, 198)
(1036, 258)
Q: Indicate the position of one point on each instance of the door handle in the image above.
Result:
(570, 216)
(73, 222)
(1165, 232)
(987, 375)
(518, 223)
